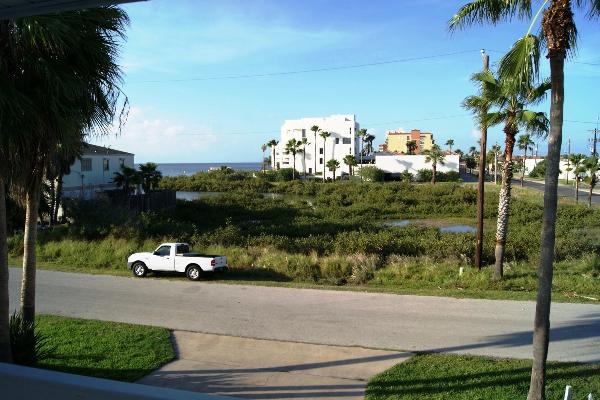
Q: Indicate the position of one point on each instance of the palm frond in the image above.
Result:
(495, 118)
(494, 11)
(521, 64)
(536, 123)
(593, 7)
(538, 94)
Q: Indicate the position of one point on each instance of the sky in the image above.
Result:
(211, 81)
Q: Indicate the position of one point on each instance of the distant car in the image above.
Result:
(175, 257)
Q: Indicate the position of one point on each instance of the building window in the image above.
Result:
(337, 140)
(310, 170)
(346, 141)
(303, 133)
(105, 164)
(121, 162)
(321, 150)
(321, 161)
(86, 164)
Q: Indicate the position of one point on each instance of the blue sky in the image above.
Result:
(181, 111)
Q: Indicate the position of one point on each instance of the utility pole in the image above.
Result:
(568, 159)
(481, 178)
(595, 131)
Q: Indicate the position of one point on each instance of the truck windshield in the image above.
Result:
(182, 249)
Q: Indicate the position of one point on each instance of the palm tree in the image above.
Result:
(472, 151)
(333, 165)
(435, 157)
(149, 176)
(126, 178)
(460, 153)
(368, 139)
(304, 143)
(361, 135)
(324, 135)
(524, 143)
(272, 144)
(315, 129)
(350, 161)
(560, 36)
(263, 147)
(411, 146)
(292, 147)
(592, 166)
(511, 101)
(496, 151)
(450, 143)
(67, 70)
(578, 168)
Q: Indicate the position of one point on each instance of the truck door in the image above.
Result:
(162, 259)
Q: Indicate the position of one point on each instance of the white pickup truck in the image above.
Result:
(175, 257)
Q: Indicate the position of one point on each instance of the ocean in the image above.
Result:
(177, 169)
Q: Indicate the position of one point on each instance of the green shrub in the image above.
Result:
(539, 171)
(337, 269)
(363, 268)
(26, 343)
(372, 174)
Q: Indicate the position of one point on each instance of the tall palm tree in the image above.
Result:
(333, 165)
(524, 143)
(125, 178)
(411, 146)
(350, 161)
(273, 144)
(292, 147)
(592, 166)
(361, 135)
(368, 139)
(496, 151)
(324, 135)
(450, 143)
(578, 168)
(304, 143)
(315, 129)
(263, 147)
(67, 69)
(560, 36)
(511, 101)
(435, 157)
(60, 165)
(150, 176)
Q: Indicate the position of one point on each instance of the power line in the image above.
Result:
(419, 120)
(303, 71)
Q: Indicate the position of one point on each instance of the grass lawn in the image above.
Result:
(445, 376)
(109, 350)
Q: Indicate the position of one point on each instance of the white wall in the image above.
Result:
(530, 164)
(339, 126)
(396, 164)
(97, 178)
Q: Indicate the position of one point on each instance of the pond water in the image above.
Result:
(203, 195)
(446, 228)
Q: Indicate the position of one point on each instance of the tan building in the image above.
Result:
(396, 141)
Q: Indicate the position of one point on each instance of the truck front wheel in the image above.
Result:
(193, 272)
(139, 269)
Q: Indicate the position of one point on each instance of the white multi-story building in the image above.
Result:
(341, 142)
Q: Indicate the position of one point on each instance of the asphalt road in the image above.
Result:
(563, 191)
(382, 321)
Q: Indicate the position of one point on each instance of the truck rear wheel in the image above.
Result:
(139, 269)
(193, 272)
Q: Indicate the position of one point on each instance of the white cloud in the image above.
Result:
(153, 137)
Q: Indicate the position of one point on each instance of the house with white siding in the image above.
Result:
(94, 171)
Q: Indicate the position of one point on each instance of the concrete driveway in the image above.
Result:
(268, 369)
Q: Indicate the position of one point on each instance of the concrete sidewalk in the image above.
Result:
(269, 369)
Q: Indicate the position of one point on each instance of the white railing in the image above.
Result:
(23, 383)
(569, 394)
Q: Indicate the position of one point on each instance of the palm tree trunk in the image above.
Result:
(5, 353)
(304, 161)
(591, 193)
(433, 173)
(294, 167)
(576, 189)
(504, 205)
(541, 326)
(523, 171)
(361, 157)
(29, 262)
(59, 190)
(52, 200)
(324, 159)
(315, 156)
